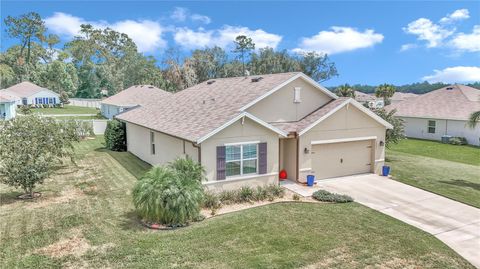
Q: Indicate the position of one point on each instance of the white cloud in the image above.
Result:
(457, 15)
(409, 46)
(467, 42)
(223, 37)
(426, 30)
(340, 39)
(455, 74)
(181, 14)
(146, 34)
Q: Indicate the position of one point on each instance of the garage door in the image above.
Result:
(341, 159)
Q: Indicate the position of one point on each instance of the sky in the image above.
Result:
(371, 42)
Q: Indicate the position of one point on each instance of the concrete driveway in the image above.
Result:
(456, 224)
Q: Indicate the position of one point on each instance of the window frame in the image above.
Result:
(297, 94)
(431, 126)
(242, 159)
(152, 143)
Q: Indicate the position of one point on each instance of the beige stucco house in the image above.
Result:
(245, 130)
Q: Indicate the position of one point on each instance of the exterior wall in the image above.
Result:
(235, 133)
(85, 102)
(418, 128)
(288, 156)
(167, 148)
(348, 122)
(280, 106)
(7, 110)
(43, 94)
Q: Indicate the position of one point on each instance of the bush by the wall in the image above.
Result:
(115, 138)
(458, 140)
(325, 196)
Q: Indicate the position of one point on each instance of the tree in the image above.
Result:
(269, 61)
(474, 119)
(317, 66)
(27, 28)
(31, 147)
(64, 98)
(345, 91)
(385, 91)
(393, 136)
(115, 136)
(243, 45)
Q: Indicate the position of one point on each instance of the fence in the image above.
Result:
(99, 126)
(85, 102)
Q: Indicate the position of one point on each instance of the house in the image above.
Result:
(27, 93)
(369, 100)
(245, 130)
(131, 97)
(401, 96)
(443, 112)
(7, 106)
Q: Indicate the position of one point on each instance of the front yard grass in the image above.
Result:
(67, 109)
(448, 170)
(85, 218)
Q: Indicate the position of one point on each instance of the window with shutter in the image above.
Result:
(221, 163)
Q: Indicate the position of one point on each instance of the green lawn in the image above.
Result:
(448, 170)
(94, 226)
(437, 150)
(67, 109)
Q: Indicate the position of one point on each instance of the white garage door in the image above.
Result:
(341, 159)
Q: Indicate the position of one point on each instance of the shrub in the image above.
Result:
(245, 194)
(296, 197)
(326, 196)
(211, 201)
(275, 190)
(458, 140)
(188, 168)
(115, 136)
(260, 194)
(64, 98)
(163, 196)
(228, 197)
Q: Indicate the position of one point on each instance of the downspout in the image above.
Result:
(297, 166)
(199, 151)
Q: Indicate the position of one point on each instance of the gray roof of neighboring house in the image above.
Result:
(454, 102)
(364, 97)
(137, 95)
(196, 111)
(402, 96)
(6, 97)
(25, 89)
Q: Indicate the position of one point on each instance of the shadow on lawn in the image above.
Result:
(9, 198)
(130, 221)
(463, 183)
(134, 165)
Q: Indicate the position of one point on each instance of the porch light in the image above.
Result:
(382, 143)
(306, 150)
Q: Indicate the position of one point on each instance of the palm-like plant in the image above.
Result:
(164, 196)
(345, 91)
(474, 119)
(385, 91)
(188, 168)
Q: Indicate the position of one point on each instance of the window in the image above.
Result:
(431, 126)
(50, 100)
(296, 95)
(152, 143)
(241, 159)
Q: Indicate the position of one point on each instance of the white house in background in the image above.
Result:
(443, 112)
(368, 99)
(131, 97)
(27, 93)
(401, 96)
(7, 106)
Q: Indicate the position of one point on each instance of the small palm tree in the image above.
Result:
(385, 91)
(345, 91)
(474, 119)
(188, 168)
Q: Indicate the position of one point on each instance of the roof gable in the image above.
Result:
(137, 95)
(25, 89)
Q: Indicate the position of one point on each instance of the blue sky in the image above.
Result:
(371, 42)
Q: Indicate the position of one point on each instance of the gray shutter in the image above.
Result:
(221, 163)
(262, 158)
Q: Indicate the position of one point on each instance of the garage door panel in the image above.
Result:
(342, 159)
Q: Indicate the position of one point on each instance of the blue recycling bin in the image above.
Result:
(310, 180)
(385, 170)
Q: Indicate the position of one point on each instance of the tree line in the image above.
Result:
(102, 62)
(417, 88)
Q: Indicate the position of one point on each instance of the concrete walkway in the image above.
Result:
(454, 223)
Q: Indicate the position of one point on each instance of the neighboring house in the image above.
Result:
(443, 112)
(245, 130)
(369, 100)
(402, 96)
(131, 97)
(28, 93)
(7, 106)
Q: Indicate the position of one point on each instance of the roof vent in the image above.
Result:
(210, 82)
(150, 87)
(449, 88)
(257, 79)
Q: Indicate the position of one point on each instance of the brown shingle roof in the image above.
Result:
(454, 102)
(402, 96)
(137, 95)
(5, 97)
(25, 89)
(195, 112)
(364, 97)
(298, 126)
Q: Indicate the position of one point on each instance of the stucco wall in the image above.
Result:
(9, 109)
(280, 106)
(348, 122)
(43, 94)
(249, 131)
(108, 111)
(418, 128)
(167, 148)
